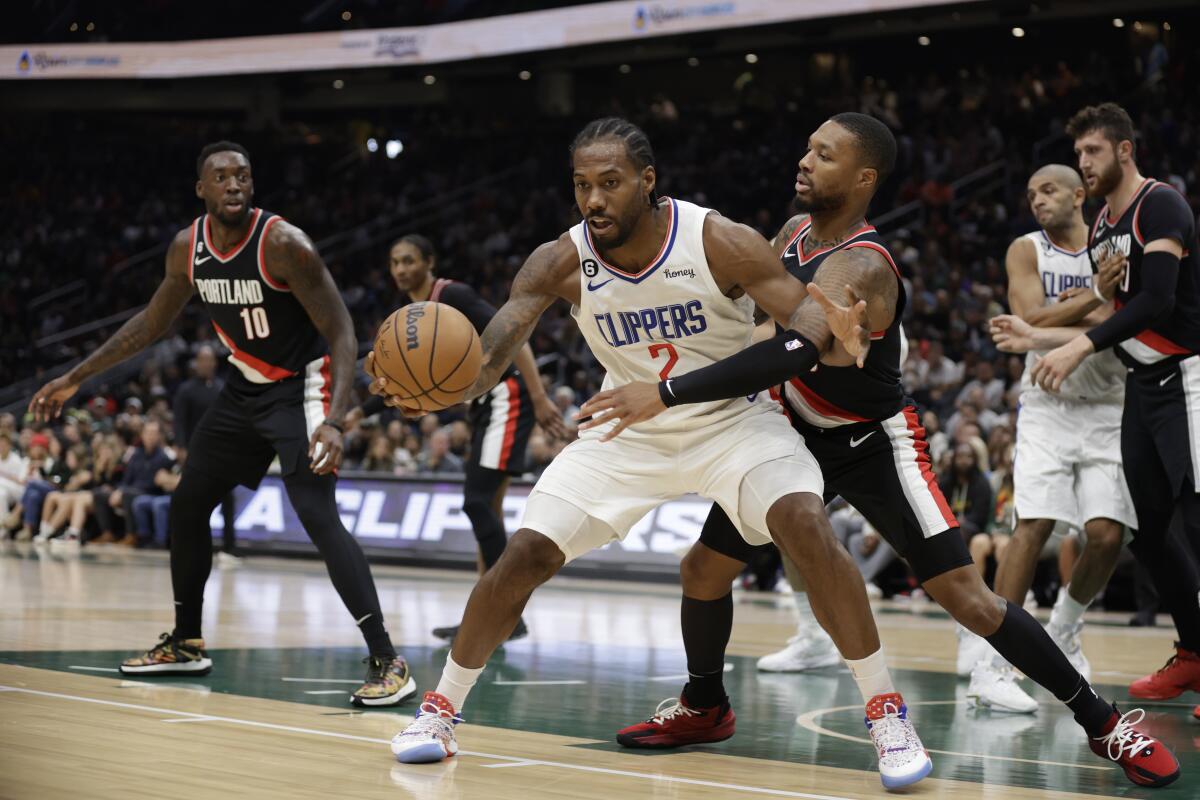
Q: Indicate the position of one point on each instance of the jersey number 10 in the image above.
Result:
(255, 320)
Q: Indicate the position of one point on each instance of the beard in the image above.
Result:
(815, 202)
(1107, 181)
(232, 220)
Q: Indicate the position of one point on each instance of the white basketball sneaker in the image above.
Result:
(430, 737)
(810, 648)
(971, 650)
(1067, 639)
(903, 760)
(995, 687)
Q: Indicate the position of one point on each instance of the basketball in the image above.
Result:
(429, 353)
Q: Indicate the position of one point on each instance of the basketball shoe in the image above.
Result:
(994, 686)
(675, 723)
(1146, 761)
(903, 760)
(1067, 639)
(1178, 675)
(430, 737)
(388, 682)
(810, 648)
(971, 650)
(170, 656)
(450, 631)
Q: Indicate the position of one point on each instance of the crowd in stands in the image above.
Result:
(116, 454)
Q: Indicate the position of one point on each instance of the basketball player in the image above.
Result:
(1067, 468)
(659, 286)
(1156, 333)
(501, 419)
(851, 409)
(275, 307)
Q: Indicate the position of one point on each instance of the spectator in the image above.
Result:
(152, 511)
(138, 479)
(44, 475)
(939, 441)
(564, 398)
(970, 499)
(380, 456)
(59, 505)
(437, 458)
(990, 388)
(13, 469)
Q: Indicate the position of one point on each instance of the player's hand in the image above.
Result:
(379, 386)
(848, 324)
(1111, 271)
(551, 419)
(1056, 366)
(48, 402)
(1011, 334)
(353, 417)
(628, 405)
(325, 449)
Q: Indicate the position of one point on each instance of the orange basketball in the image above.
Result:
(430, 355)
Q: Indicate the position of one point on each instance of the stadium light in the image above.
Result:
(1166, 26)
(923, 41)
(430, 80)
(338, 83)
(1118, 22)
(393, 148)
(693, 62)
(751, 58)
(1018, 32)
(624, 69)
(372, 145)
(74, 27)
(524, 74)
(91, 26)
(346, 16)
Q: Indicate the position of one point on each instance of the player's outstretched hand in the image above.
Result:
(1012, 334)
(551, 420)
(1110, 273)
(628, 405)
(48, 402)
(378, 386)
(325, 449)
(848, 324)
(1056, 366)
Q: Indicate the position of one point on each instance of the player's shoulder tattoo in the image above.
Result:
(788, 230)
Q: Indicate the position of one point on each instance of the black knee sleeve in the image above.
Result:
(479, 497)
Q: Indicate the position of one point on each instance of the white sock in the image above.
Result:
(46, 529)
(871, 674)
(804, 612)
(1067, 610)
(456, 682)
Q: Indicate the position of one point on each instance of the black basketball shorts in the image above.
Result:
(501, 422)
(1160, 432)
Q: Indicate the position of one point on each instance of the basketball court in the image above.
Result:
(273, 720)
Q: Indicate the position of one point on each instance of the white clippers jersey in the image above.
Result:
(1101, 377)
(669, 319)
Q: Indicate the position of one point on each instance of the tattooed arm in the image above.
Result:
(291, 258)
(141, 330)
(784, 237)
(853, 292)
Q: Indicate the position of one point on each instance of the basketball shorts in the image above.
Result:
(1067, 463)
(594, 492)
(501, 422)
(251, 423)
(1160, 436)
(882, 469)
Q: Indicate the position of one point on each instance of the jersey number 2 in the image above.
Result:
(672, 358)
(255, 320)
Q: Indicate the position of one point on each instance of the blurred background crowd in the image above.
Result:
(93, 199)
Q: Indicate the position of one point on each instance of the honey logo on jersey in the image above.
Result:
(682, 272)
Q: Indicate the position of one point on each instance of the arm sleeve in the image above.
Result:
(755, 369)
(1160, 273)
(373, 406)
(465, 299)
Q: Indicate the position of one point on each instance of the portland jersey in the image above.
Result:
(1156, 211)
(833, 396)
(464, 299)
(668, 319)
(1101, 376)
(268, 333)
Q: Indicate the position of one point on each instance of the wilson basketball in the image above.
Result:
(430, 355)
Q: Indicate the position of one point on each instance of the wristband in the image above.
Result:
(1096, 291)
(337, 426)
(665, 394)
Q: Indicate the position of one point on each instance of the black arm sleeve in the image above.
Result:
(755, 369)
(373, 406)
(1160, 274)
(465, 299)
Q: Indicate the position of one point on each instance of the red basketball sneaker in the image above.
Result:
(1146, 761)
(675, 723)
(1178, 675)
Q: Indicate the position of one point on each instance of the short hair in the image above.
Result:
(875, 141)
(423, 245)
(637, 143)
(1109, 119)
(218, 147)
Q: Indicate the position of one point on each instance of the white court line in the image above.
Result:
(807, 720)
(494, 756)
(189, 719)
(511, 764)
(320, 680)
(538, 683)
(93, 669)
(326, 691)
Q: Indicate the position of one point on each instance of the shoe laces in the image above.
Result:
(670, 709)
(432, 721)
(377, 668)
(890, 731)
(166, 642)
(1124, 739)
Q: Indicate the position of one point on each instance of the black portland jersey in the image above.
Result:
(269, 334)
(833, 396)
(1156, 211)
(466, 300)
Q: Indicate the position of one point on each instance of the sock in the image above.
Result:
(456, 682)
(46, 529)
(871, 674)
(807, 621)
(376, 635)
(706, 625)
(72, 533)
(1067, 610)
